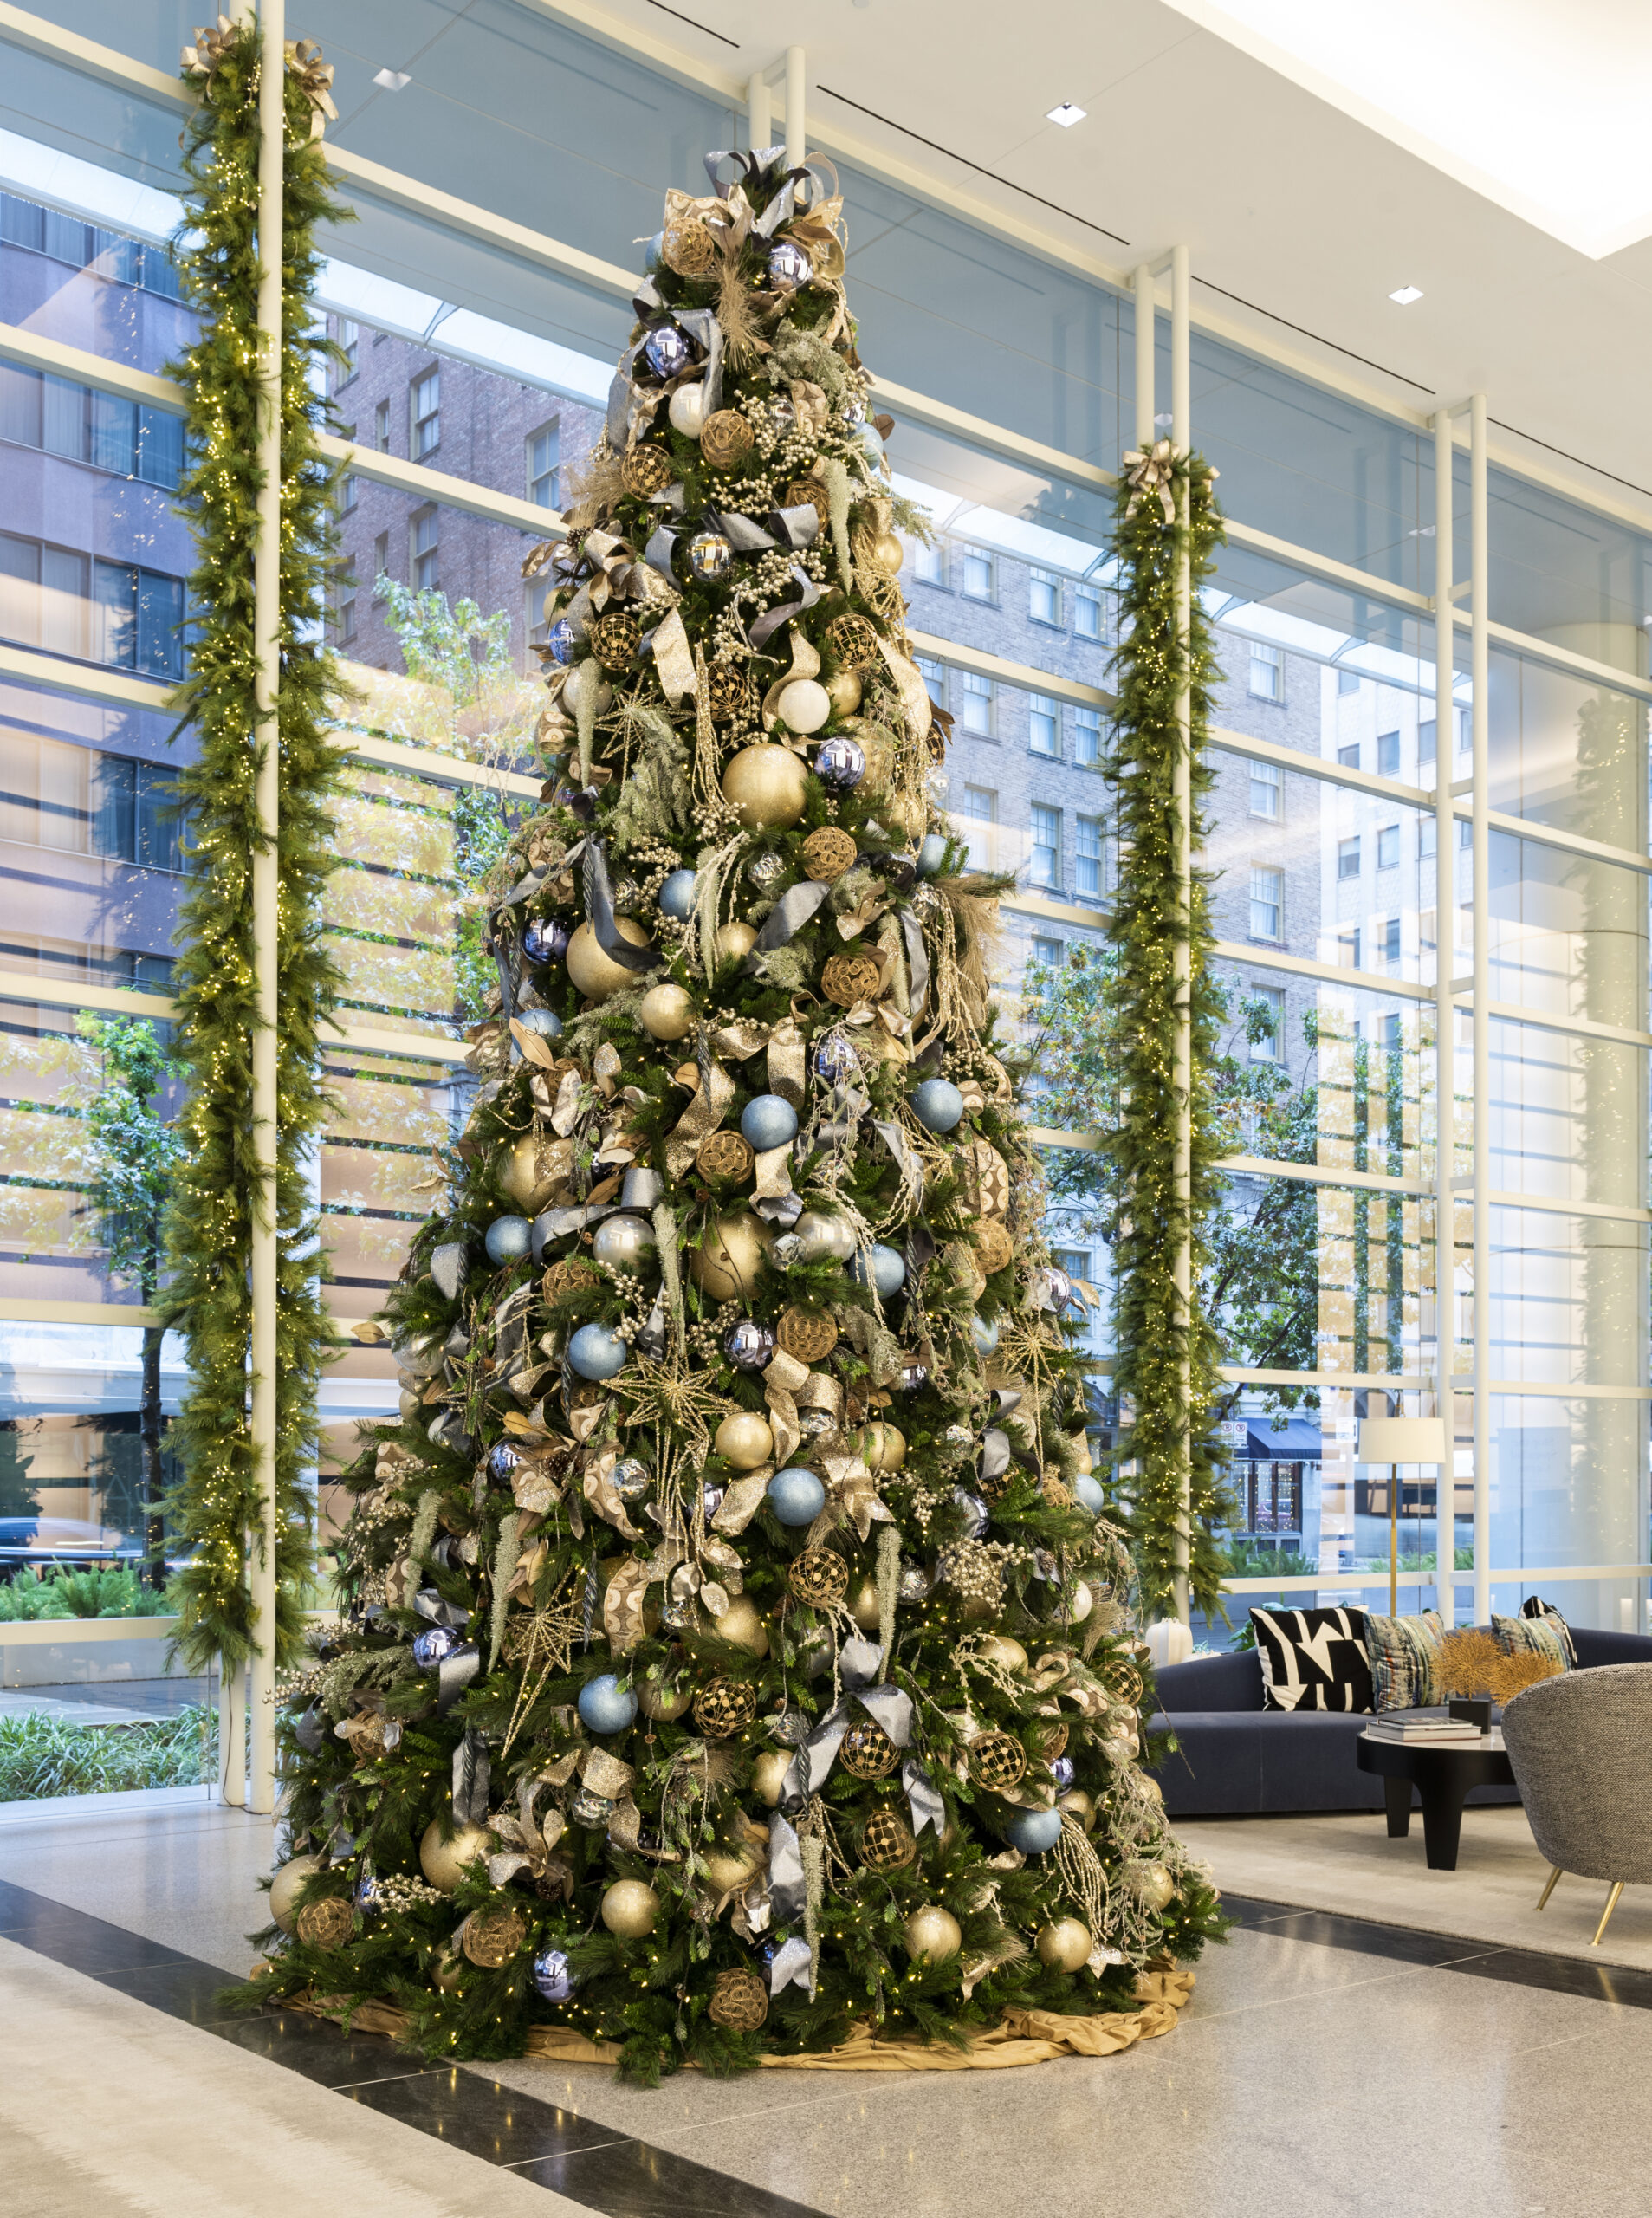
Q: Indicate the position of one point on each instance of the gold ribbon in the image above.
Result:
(1150, 472)
(703, 1115)
(741, 1501)
(211, 48)
(600, 1491)
(806, 662)
(315, 81)
(622, 1605)
(854, 1491)
(783, 1381)
(773, 1173)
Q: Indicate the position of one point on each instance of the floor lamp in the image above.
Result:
(1394, 1441)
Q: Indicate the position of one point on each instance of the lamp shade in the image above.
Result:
(1402, 1440)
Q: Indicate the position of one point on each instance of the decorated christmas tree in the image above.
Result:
(736, 1653)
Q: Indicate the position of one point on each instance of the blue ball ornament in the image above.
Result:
(1033, 1831)
(509, 1239)
(433, 1647)
(840, 761)
(654, 255)
(367, 1897)
(605, 1706)
(795, 1495)
(835, 1060)
(983, 1331)
(563, 640)
(871, 440)
(595, 1352)
(545, 942)
(676, 895)
(931, 854)
(888, 1270)
(502, 1460)
(553, 1976)
(1087, 1493)
(545, 1021)
(668, 351)
(1063, 1772)
(768, 1121)
(937, 1105)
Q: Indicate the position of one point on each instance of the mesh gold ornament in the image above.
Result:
(867, 1751)
(994, 1247)
(853, 642)
(645, 471)
(572, 1275)
(689, 248)
(727, 438)
(615, 638)
(727, 691)
(848, 979)
(726, 1155)
(724, 1707)
(827, 853)
(739, 2001)
(491, 1937)
(809, 1338)
(885, 1843)
(326, 1924)
(819, 1577)
(997, 1761)
(809, 492)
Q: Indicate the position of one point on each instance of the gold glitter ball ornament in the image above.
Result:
(726, 1154)
(630, 1908)
(851, 979)
(767, 785)
(1151, 1883)
(727, 691)
(932, 1934)
(997, 1761)
(828, 852)
(886, 1844)
(819, 1577)
(853, 642)
(615, 638)
(994, 1247)
(326, 1924)
(739, 2001)
(596, 974)
(724, 1707)
(727, 438)
(867, 1751)
(732, 1248)
(491, 1937)
(809, 492)
(645, 471)
(769, 1774)
(810, 1338)
(445, 1861)
(1064, 1945)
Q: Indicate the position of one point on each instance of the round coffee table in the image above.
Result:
(1442, 1775)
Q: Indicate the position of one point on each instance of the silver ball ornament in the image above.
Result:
(937, 1105)
(545, 942)
(563, 641)
(840, 761)
(974, 1509)
(553, 1976)
(710, 556)
(835, 1060)
(914, 1377)
(502, 1460)
(630, 1478)
(763, 870)
(433, 1647)
(789, 264)
(623, 1243)
(668, 351)
(750, 1345)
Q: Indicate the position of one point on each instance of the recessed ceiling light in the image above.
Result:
(1066, 116)
(1406, 295)
(392, 80)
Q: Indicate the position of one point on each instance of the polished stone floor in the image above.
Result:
(1327, 2068)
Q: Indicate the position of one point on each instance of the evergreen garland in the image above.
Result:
(209, 1229)
(1165, 1369)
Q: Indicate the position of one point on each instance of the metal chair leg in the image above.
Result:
(1605, 1916)
(1549, 1888)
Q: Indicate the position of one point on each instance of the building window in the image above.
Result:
(1044, 725)
(348, 339)
(380, 563)
(975, 711)
(929, 563)
(935, 677)
(1348, 858)
(1051, 953)
(544, 458)
(1428, 837)
(71, 604)
(1090, 860)
(1348, 755)
(976, 573)
(1389, 942)
(1428, 741)
(1266, 903)
(344, 604)
(1047, 845)
(1348, 948)
(424, 550)
(1086, 613)
(1267, 672)
(1268, 1046)
(128, 439)
(426, 407)
(1075, 1261)
(347, 485)
(1044, 596)
(1086, 737)
(1388, 847)
(1388, 754)
(1389, 1031)
(381, 427)
(1347, 680)
(980, 814)
(1265, 786)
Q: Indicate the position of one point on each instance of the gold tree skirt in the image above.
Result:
(1019, 2037)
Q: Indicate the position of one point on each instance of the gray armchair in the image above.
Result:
(1581, 1749)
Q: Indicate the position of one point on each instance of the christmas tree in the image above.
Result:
(736, 1652)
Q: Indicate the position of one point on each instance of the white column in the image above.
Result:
(265, 903)
(1181, 436)
(1141, 285)
(1479, 613)
(1445, 1019)
(759, 124)
(796, 129)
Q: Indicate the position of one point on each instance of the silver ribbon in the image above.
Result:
(787, 1889)
(811, 1767)
(794, 1960)
(448, 1264)
(427, 1602)
(472, 1776)
(917, 962)
(925, 1805)
(455, 1675)
(791, 912)
(599, 908)
(768, 624)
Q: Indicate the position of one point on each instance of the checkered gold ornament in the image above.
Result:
(727, 691)
(853, 642)
(849, 979)
(827, 853)
(867, 1751)
(326, 1924)
(819, 1577)
(886, 1844)
(727, 438)
(739, 2001)
(724, 1707)
(997, 1761)
(646, 471)
(726, 1155)
(491, 1937)
(810, 1338)
(615, 638)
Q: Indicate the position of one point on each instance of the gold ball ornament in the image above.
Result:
(724, 1707)
(726, 439)
(744, 1440)
(734, 941)
(725, 1264)
(888, 552)
(931, 1934)
(1153, 1885)
(286, 1886)
(326, 1924)
(844, 691)
(739, 2001)
(666, 1013)
(646, 471)
(997, 1761)
(819, 1577)
(1080, 1806)
(977, 1610)
(998, 1648)
(810, 1338)
(767, 785)
(448, 1975)
(827, 853)
(629, 1909)
(491, 1937)
(740, 1624)
(866, 1751)
(883, 1447)
(656, 1700)
(863, 1605)
(1077, 1606)
(994, 1249)
(530, 1171)
(444, 1862)
(1151, 1787)
(769, 1774)
(886, 1844)
(1065, 1946)
(729, 1868)
(597, 975)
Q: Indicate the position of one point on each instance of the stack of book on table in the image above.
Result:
(1421, 1725)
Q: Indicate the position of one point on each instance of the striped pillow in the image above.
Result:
(1313, 1659)
(1405, 1660)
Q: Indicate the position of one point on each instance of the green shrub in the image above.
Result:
(42, 1756)
(111, 1591)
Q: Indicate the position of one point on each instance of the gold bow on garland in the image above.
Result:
(212, 49)
(1152, 472)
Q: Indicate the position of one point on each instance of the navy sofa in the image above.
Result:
(1237, 1759)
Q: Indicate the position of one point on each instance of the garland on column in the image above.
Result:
(1167, 1444)
(209, 1229)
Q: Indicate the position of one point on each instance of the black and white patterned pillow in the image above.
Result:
(1313, 1659)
